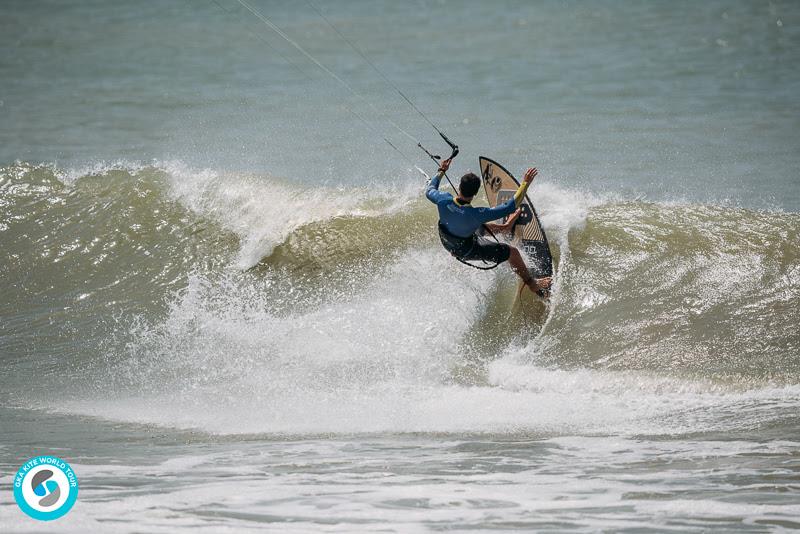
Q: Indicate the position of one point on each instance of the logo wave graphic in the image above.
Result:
(46, 488)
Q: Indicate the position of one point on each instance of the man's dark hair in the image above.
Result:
(469, 186)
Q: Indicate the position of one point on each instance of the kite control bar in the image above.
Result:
(437, 158)
(453, 146)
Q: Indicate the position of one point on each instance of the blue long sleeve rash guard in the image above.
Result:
(463, 220)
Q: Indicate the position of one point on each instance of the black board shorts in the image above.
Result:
(474, 247)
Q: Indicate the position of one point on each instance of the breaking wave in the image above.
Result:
(246, 304)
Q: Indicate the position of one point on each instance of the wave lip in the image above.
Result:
(264, 211)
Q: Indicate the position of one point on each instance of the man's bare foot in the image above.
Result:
(541, 286)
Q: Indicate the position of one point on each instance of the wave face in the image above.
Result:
(244, 304)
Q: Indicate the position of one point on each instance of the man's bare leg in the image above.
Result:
(519, 267)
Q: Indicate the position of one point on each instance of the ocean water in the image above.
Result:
(223, 301)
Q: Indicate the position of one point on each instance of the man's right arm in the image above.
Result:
(507, 208)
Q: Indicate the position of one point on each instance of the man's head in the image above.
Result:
(469, 186)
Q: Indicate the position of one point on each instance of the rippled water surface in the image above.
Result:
(222, 299)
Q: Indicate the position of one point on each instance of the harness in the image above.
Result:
(460, 247)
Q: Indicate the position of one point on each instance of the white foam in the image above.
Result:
(560, 209)
(383, 365)
(102, 168)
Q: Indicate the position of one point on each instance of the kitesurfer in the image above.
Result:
(460, 223)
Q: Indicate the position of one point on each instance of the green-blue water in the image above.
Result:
(223, 302)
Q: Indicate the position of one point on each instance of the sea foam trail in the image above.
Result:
(381, 360)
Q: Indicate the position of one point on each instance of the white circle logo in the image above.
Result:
(45, 487)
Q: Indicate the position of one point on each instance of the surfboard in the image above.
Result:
(500, 186)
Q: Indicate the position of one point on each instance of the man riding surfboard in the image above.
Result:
(459, 223)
